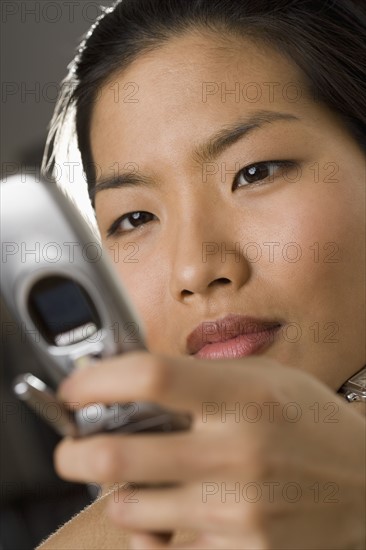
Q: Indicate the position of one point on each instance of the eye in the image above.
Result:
(129, 222)
(261, 171)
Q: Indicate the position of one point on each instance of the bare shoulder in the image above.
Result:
(90, 529)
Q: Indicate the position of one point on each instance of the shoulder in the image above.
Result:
(90, 529)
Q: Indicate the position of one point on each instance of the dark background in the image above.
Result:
(38, 40)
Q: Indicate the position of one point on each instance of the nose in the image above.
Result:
(206, 258)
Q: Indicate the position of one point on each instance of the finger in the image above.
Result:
(151, 458)
(142, 541)
(181, 384)
(205, 541)
(183, 510)
(156, 510)
(172, 508)
(186, 508)
(358, 406)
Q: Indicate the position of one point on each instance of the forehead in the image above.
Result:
(188, 88)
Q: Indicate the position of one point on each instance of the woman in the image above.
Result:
(224, 147)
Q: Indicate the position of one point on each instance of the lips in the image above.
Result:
(231, 337)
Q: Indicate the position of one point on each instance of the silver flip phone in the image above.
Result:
(60, 286)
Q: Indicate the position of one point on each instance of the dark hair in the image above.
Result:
(326, 39)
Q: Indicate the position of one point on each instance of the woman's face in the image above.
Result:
(276, 242)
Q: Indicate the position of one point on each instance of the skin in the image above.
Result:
(319, 300)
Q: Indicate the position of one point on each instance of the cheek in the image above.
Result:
(313, 237)
(144, 282)
(319, 280)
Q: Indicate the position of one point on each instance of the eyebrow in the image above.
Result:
(224, 138)
(203, 153)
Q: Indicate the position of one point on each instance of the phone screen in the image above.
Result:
(62, 310)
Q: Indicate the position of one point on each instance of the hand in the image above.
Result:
(274, 459)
